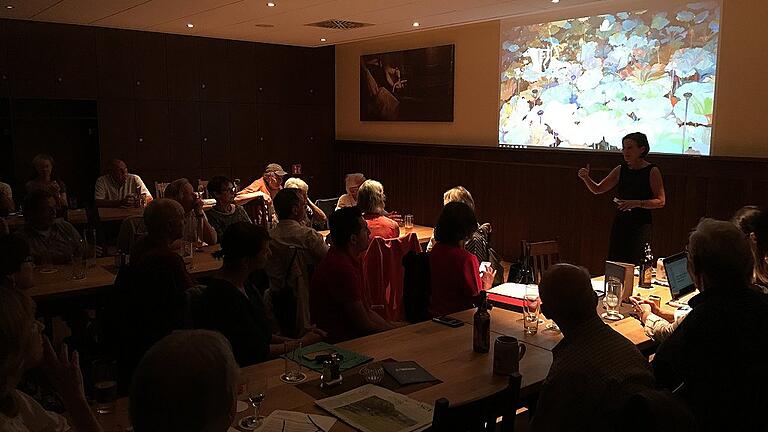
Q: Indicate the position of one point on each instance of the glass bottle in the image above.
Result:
(481, 337)
(646, 268)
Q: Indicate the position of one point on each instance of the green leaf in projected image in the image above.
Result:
(659, 21)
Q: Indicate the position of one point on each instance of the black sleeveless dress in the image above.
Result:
(631, 229)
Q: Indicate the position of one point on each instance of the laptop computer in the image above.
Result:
(681, 285)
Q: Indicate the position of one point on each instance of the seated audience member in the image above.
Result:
(118, 188)
(314, 214)
(753, 222)
(225, 212)
(352, 184)
(195, 220)
(592, 365)
(658, 323)
(289, 269)
(233, 307)
(370, 200)
(46, 180)
(16, 269)
(266, 187)
(186, 382)
(336, 291)
(6, 200)
(455, 273)
(23, 347)
(164, 221)
(50, 239)
(715, 360)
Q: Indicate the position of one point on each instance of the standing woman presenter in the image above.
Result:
(640, 189)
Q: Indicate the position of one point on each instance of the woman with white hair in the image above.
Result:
(187, 382)
(314, 213)
(23, 347)
(370, 200)
(352, 184)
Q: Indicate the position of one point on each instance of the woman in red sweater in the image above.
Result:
(370, 200)
(455, 273)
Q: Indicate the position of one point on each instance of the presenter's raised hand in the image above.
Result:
(584, 172)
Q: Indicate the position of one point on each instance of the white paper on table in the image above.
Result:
(598, 286)
(295, 422)
(514, 290)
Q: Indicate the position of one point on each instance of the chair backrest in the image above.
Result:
(480, 414)
(287, 299)
(131, 230)
(259, 212)
(160, 189)
(202, 188)
(328, 206)
(416, 286)
(543, 255)
(383, 274)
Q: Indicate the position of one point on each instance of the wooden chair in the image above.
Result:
(328, 206)
(482, 414)
(543, 255)
(259, 212)
(160, 189)
(202, 188)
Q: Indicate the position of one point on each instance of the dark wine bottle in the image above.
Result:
(481, 337)
(646, 268)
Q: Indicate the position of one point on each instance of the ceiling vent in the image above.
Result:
(339, 24)
(264, 25)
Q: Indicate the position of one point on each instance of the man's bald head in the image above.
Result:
(164, 218)
(118, 170)
(567, 296)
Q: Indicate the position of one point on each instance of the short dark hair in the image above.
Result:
(284, 201)
(242, 240)
(344, 223)
(216, 183)
(745, 218)
(33, 199)
(14, 251)
(641, 140)
(457, 222)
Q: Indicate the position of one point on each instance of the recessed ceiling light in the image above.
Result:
(9, 7)
(271, 4)
(190, 25)
(322, 39)
(555, 1)
(416, 24)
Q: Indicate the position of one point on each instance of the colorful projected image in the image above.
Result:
(586, 82)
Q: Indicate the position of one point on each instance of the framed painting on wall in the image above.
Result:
(411, 85)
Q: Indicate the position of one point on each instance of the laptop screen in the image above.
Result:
(680, 281)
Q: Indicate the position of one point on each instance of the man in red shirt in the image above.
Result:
(336, 291)
(267, 186)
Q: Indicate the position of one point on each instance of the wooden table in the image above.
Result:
(118, 213)
(511, 323)
(101, 274)
(444, 351)
(75, 217)
(423, 233)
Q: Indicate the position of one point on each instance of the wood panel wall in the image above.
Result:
(536, 195)
(176, 106)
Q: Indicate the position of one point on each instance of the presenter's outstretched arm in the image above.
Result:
(609, 182)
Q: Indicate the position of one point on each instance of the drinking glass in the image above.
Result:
(104, 373)
(614, 290)
(408, 222)
(188, 253)
(531, 308)
(46, 262)
(292, 373)
(255, 393)
(89, 237)
(79, 261)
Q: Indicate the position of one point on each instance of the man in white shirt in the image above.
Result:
(118, 188)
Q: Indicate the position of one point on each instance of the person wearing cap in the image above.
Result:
(267, 186)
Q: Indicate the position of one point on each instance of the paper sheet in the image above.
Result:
(514, 290)
(295, 422)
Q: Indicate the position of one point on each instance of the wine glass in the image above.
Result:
(256, 391)
(613, 293)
